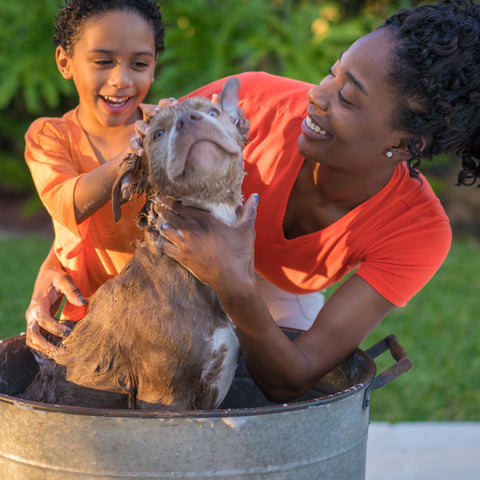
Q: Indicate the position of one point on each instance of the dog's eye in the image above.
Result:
(158, 134)
(213, 112)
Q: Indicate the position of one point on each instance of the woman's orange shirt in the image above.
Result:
(397, 239)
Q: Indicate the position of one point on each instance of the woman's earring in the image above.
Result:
(389, 154)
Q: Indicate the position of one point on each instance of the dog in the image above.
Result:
(154, 336)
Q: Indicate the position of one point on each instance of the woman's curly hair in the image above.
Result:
(73, 16)
(436, 67)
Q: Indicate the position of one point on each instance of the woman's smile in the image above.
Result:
(312, 126)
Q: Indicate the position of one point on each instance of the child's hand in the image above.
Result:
(52, 284)
(141, 126)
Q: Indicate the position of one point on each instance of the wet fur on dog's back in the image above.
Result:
(155, 336)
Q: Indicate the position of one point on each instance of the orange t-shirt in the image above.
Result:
(397, 239)
(58, 152)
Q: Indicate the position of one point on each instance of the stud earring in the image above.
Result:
(389, 154)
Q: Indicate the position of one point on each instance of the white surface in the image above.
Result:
(423, 451)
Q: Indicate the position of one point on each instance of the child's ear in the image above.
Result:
(63, 63)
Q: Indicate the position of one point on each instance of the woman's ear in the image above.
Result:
(400, 150)
(63, 63)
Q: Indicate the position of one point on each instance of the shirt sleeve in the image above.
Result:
(55, 174)
(404, 263)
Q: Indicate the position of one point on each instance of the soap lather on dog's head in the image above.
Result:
(193, 151)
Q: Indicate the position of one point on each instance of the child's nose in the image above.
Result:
(120, 77)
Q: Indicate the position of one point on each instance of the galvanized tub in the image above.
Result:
(323, 435)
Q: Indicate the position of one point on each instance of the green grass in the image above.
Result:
(439, 329)
(20, 258)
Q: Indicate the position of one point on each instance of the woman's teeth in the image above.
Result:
(314, 127)
(116, 101)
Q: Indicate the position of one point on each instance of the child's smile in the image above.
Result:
(116, 105)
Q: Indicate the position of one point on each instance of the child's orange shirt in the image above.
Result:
(58, 153)
(397, 239)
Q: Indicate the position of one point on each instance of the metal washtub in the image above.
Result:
(322, 435)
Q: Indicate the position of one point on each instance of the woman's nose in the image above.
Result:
(120, 77)
(318, 96)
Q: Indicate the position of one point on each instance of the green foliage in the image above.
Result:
(30, 85)
(27, 68)
(296, 39)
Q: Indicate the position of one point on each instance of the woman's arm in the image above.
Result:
(51, 285)
(221, 255)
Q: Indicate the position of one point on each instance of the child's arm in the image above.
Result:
(94, 189)
(52, 284)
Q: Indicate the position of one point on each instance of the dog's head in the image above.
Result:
(193, 153)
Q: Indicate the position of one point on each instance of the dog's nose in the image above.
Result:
(188, 120)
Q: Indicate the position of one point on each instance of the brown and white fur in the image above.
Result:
(155, 336)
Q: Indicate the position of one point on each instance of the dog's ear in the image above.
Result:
(229, 102)
(132, 179)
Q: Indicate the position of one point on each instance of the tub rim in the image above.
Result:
(369, 377)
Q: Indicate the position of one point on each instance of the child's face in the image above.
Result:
(112, 65)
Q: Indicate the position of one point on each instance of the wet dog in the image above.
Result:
(155, 336)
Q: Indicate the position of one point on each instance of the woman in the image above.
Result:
(349, 198)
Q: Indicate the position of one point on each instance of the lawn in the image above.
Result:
(439, 330)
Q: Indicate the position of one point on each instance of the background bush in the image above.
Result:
(205, 40)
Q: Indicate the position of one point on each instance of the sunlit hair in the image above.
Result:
(435, 72)
(74, 14)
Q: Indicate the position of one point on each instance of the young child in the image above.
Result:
(109, 49)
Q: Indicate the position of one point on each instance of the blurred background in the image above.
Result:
(206, 40)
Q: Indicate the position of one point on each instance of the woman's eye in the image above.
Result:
(213, 112)
(158, 134)
(344, 100)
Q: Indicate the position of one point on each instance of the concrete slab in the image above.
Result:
(423, 451)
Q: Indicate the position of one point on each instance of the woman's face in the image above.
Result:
(348, 123)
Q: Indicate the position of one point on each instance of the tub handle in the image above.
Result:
(402, 365)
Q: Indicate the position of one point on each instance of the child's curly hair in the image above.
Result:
(73, 15)
(436, 68)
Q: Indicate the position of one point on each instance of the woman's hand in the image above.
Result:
(217, 253)
(52, 284)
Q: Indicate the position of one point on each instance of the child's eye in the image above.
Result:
(103, 63)
(213, 112)
(158, 134)
(140, 65)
